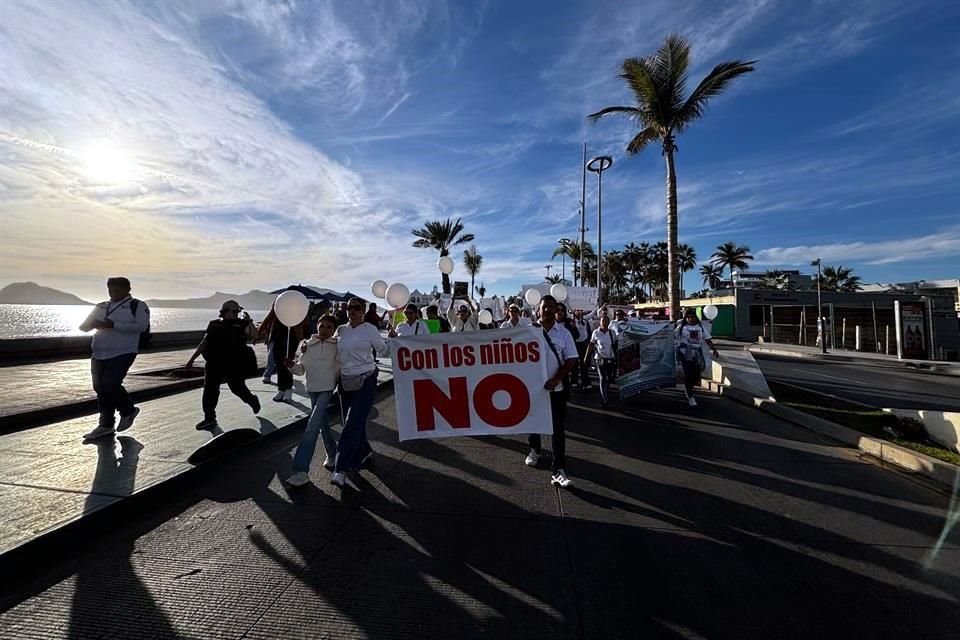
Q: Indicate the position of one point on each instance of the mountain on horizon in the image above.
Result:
(33, 293)
(254, 299)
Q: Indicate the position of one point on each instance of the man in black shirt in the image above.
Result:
(224, 349)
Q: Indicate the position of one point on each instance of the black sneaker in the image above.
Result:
(255, 405)
(207, 423)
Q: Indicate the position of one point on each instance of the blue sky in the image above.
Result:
(233, 145)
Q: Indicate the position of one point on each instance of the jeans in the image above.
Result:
(558, 408)
(108, 378)
(607, 369)
(353, 445)
(581, 368)
(271, 367)
(317, 425)
(213, 377)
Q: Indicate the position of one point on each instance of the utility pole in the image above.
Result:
(583, 211)
(821, 321)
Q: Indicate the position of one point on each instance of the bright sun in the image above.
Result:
(107, 163)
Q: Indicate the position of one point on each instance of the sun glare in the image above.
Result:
(105, 162)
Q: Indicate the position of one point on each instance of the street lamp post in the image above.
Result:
(583, 214)
(821, 323)
(598, 165)
(548, 267)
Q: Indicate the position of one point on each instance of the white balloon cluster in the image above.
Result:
(396, 295)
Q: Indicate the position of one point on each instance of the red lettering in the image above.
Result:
(483, 400)
(468, 358)
(403, 358)
(428, 398)
(534, 348)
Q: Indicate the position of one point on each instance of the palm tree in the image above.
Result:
(712, 275)
(732, 255)
(554, 279)
(573, 251)
(839, 278)
(658, 83)
(686, 260)
(777, 279)
(482, 290)
(472, 261)
(442, 235)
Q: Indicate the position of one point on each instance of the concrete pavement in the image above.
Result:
(715, 522)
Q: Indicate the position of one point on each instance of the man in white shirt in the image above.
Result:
(514, 319)
(561, 357)
(413, 326)
(462, 316)
(118, 323)
(582, 339)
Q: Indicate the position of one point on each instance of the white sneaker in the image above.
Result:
(532, 458)
(338, 479)
(298, 479)
(127, 421)
(692, 401)
(99, 432)
(560, 479)
(288, 395)
(279, 396)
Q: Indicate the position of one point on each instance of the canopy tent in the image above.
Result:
(307, 292)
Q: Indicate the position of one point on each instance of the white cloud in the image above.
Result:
(937, 245)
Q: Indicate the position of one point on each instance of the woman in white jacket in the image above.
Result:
(318, 360)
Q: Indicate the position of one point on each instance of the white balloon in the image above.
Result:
(291, 307)
(485, 317)
(559, 292)
(397, 295)
(532, 296)
(378, 288)
(445, 264)
(710, 311)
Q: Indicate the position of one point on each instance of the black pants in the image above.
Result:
(558, 407)
(581, 368)
(108, 378)
(281, 352)
(213, 377)
(691, 374)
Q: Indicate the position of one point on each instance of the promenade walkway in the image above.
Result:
(715, 522)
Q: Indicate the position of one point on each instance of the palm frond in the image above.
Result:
(642, 139)
(465, 238)
(638, 74)
(632, 112)
(670, 65)
(711, 86)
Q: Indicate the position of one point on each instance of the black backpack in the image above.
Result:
(145, 336)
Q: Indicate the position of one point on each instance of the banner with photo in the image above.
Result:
(471, 383)
(645, 357)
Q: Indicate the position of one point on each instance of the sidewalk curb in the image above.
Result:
(933, 368)
(23, 558)
(941, 472)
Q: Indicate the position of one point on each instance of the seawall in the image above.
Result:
(22, 350)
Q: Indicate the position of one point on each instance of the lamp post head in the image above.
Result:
(600, 164)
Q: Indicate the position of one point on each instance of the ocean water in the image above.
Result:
(34, 320)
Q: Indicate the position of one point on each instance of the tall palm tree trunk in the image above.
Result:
(444, 278)
(672, 264)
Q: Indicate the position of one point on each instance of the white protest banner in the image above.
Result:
(471, 383)
(582, 298)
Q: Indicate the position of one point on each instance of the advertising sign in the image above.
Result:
(913, 335)
(471, 383)
(645, 357)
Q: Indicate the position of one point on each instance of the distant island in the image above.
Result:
(254, 299)
(33, 293)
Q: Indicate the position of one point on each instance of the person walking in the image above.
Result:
(413, 325)
(119, 322)
(514, 319)
(462, 317)
(567, 322)
(357, 342)
(560, 357)
(283, 343)
(263, 333)
(602, 345)
(690, 338)
(581, 337)
(341, 314)
(226, 357)
(433, 314)
(317, 360)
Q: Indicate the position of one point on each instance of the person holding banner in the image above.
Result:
(560, 357)
(462, 316)
(603, 345)
(515, 319)
(413, 325)
(690, 337)
(357, 341)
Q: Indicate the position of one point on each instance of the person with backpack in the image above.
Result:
(690, 338)
(121, 323)
(227, 357)
(560, 356)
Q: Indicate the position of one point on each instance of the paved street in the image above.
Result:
(715, 522)
(881, 386)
